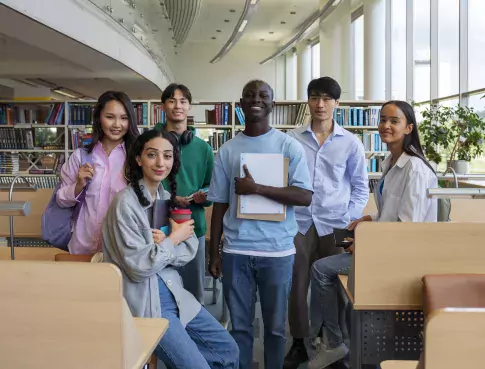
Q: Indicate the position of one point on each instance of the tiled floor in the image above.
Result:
(258, 357)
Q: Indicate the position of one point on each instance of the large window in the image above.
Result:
(316, 61)
(358, 52)
(448, 47)
(422, 50)
(398, 49)
(476, 45)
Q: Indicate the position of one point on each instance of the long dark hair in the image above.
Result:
(98, 133)
(411, 144)
(133, 172)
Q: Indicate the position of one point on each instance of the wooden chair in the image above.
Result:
(152, 362)
(70, 315)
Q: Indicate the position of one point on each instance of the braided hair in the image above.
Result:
(134, 173)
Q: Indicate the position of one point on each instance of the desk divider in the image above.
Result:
(391, 258)
(70, 315)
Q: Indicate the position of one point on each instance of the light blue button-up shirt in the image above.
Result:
(338, 172)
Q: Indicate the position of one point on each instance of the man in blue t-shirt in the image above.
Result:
(257, 255)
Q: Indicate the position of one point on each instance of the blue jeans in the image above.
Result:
(202, 344)
(242, 276)
(324, 306)
(193, 273)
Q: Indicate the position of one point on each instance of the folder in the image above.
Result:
(159, 215)
(264, 162)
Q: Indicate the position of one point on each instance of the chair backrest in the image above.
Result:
(73, 258)
(70, 314)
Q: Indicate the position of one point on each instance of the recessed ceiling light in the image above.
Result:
(226, 20)
(283, 22)
(271, 32)
(293, 13)
(218, 30)
(232, 10)
(213, 38)
(261, 39)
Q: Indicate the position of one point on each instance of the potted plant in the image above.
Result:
(458, 132)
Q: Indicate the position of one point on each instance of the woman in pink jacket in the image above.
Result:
(114, 131)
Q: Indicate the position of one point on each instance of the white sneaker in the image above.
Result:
(327, 356)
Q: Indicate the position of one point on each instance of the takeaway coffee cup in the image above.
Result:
(181, 215)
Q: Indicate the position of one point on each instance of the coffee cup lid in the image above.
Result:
(181, 211)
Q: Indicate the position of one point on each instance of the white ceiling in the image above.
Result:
(31, 50)
(266, 19)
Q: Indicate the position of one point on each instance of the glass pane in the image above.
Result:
(398, 49)
(316, 61)
(476, 44)
(422, 50)
(448, 47)
(358, 34)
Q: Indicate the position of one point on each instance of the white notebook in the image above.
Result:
(268, 170)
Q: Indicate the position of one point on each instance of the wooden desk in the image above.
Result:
(399, 364)
(31, 253)
(151, 331)
(388, 264)
(343, 282)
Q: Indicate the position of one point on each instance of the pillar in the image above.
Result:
(335, 47)
(290, 93)
(304, 69)
(374, 49)
(280, 85)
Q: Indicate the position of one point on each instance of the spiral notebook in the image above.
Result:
(269, 170)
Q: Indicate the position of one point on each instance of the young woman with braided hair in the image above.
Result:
(148, 259)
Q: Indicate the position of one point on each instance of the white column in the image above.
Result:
(280, 71)
(290, 93)
(304, 69)
(374, 49)
(335, 46)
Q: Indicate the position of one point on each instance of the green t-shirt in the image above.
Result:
(196, 164)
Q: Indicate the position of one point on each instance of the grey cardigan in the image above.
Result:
(128, 244)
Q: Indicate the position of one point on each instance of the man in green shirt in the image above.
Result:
(197, 162)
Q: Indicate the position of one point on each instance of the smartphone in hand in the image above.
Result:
(340, 234)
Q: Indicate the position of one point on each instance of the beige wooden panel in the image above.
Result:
(68, 315)
(399, 364)
(30, 225)
(31, 253)
(391, 258)
(455, 339)
(462, 210)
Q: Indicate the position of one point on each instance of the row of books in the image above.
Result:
(374, 164)
(40, 181)
(372, 141)
(16, 138)
(218, 138)
(52, 114)
(357, 116)
(83, 114)
(9, 163)
(80, 139)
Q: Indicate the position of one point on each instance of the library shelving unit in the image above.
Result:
(36, 137)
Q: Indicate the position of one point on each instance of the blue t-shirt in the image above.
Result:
(255, 237)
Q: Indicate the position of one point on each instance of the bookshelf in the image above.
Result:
(36, 135)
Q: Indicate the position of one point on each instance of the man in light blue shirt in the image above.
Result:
(257, 255)
(338, 171)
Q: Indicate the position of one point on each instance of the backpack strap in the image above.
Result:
(85, 158)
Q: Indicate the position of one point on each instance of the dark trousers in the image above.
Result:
(309, 248)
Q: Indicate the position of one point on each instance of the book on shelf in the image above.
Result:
(16, 138)
(218, 138)
(219, 116)
(371, 140)
(80, 139)
(51, 114)
(357, 117)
